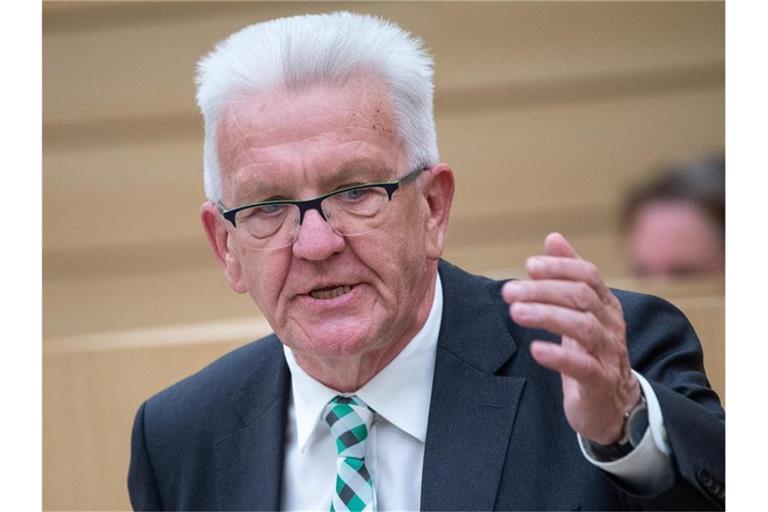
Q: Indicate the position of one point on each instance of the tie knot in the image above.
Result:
(350, 420)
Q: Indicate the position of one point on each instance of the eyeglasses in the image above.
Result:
(349, 211)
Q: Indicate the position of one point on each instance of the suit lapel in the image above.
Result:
(249, 461)
(470, 423)
(472, 411)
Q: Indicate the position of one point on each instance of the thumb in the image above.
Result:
(556, 245)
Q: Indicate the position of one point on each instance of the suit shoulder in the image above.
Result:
(630, 299)
(211, 389)
(461, 282)
(643, 311)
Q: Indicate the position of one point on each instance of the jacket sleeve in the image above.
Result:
(142, 486)
(665, 349)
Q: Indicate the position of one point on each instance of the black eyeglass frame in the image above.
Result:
(315, 204)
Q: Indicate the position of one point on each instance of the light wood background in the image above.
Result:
(546, 111)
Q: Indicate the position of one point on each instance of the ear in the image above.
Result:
(439, 194)
(219, 238)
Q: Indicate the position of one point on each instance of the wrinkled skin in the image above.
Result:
(299, 145)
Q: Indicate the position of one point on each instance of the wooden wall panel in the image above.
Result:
(553, 157)
(122, 194)
(136, 59)
(90, 398)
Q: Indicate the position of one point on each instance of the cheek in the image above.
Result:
(265, 277)
(406, 250)
(390, 255)
(414, 232)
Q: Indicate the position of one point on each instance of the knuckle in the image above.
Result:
(582, 295)
(592, 328)
(593, 274)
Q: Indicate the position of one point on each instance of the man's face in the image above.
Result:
(329, 295)
(674, 239)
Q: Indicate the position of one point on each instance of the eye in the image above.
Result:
(269, 210)
(355, 195)
(260, 213)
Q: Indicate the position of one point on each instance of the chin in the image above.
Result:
(333, 339)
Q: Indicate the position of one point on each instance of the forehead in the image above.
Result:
(673, 232)
(675, 216)
(309, 135)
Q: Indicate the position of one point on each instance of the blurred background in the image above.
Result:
(548, 113)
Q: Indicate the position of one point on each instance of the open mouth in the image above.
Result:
(330, 293)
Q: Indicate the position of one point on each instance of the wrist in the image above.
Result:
(634, 426)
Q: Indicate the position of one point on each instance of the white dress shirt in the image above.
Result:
(400, 395)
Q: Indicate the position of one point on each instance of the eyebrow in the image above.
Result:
(350, 173)
(357, 171)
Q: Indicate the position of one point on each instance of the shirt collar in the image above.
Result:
(400, 392)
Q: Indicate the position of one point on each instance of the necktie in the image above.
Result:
(350, 420)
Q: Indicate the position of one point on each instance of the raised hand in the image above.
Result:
(566, 296)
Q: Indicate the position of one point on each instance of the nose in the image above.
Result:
(316, 239)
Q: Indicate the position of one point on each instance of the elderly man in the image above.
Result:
(394, 380)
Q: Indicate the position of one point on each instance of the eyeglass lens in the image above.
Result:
(349, 213)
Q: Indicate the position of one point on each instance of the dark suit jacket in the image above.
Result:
(497, 436)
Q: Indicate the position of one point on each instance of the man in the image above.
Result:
(674, 224)
(394, 380)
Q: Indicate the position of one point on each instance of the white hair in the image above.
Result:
(302, 51)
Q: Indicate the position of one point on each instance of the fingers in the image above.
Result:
(580, 325)
(542, 269)
(568, 269)
(555, 244)
(576, 295)
(572, 363)
(567, 296)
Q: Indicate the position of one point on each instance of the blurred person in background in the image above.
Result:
(673, 225)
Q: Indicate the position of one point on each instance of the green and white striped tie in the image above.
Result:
(350, 421)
